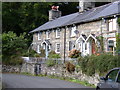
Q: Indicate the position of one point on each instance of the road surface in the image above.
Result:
(24, 81)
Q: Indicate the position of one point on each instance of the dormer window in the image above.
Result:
(72, 31)
(58, 33)
(39, 35)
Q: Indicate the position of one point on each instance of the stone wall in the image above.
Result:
(60, 71)
(57, 70)
(10, 69)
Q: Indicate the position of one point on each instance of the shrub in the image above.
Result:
(33, 53)
(29, 53)
(13, 46)
(74, 53)
(13, 61)
(50, 63)
(100, 64)
(36, 55)
(70, 67)
(52, 54)
(118, 43)
(42, 54)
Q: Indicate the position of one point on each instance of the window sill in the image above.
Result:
(72, 36)
(57, 52)
(57, 37)
(48, 38)
(39, 39)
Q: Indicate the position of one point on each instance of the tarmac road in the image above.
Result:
(24, 81)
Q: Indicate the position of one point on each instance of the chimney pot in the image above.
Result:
(54, 13)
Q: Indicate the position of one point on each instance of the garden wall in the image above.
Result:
(57, 70)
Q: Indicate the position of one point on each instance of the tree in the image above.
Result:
(26, 16)
(13, 46)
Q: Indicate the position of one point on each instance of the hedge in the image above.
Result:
(98, 64)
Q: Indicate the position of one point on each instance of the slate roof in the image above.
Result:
(57, 22)
(90, 15)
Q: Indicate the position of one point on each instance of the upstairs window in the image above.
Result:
(72, 31)
(39, 35)
(47, 34)
(57, 48)
(113, 24)
(58, 33)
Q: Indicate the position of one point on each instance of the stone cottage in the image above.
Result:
(84, 30)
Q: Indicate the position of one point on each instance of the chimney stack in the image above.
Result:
(85, 5)
(54, 13)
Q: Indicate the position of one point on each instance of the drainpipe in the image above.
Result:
(102, 37)
(65, 43)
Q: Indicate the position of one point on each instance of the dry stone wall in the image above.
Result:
(57, 70)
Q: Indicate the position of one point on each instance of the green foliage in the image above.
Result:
(74, 53)
(26, 16)
(29, 53)
(50, 63)
(13, 61)
(52, 54)
(118, 21)
(42, 54)
(100, 64)
(36, 55)
(118, 44)
(101, 40)
(13, 45)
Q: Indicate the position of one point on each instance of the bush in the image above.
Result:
(70, 67)
(52, 56)
(30, 53)
(50, 63)
(33, 53)
(13, 61)
(42, 54)
(13, 47)
(74, 53)
(100, 64)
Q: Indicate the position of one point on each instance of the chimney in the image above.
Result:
(85, 5)
(54, 13)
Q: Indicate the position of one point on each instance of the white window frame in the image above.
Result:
(113, 24)
(47, 35)
(57, 51)
(38, 49)
(57, 33)
(39, 35)
(72, 32)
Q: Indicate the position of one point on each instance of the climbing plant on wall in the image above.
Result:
(118, 39)
(118, 44)
(101, 41)
(118, 21)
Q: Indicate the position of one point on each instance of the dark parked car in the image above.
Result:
(111, 80)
